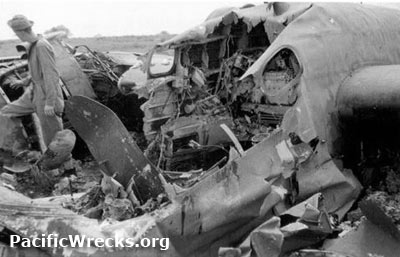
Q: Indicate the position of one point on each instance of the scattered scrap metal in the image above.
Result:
(260, 134)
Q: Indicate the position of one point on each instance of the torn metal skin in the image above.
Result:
(298, 77)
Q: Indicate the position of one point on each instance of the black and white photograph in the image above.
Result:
(223, 128)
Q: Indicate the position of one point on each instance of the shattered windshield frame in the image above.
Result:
(158, 59)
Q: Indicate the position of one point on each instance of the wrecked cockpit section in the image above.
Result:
(202, 85)
(251, 112)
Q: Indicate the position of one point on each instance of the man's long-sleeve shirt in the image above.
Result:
(45, 77)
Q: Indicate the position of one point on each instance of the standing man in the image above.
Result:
(45, 96)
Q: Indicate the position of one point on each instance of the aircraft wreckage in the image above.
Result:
(255, 122)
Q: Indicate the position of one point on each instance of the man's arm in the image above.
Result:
(50, 75)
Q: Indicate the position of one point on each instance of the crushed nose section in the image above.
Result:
(113, 147)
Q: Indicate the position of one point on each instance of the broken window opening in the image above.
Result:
(281, 77)
(259, 109)
(258, 37)
(161, 62)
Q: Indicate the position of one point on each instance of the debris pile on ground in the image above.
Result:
(383, 188)
(88, 204)
(108, 200)
(390, 204)
(352, 221)
(393, 182)
(94, 204)
(117, 209)
(62, 182)
(73, 184)
(27, 185)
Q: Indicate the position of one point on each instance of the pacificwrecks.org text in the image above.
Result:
(53, 240)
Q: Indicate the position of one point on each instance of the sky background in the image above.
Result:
(87, 18)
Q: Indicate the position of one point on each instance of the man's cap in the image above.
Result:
(19, 22)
